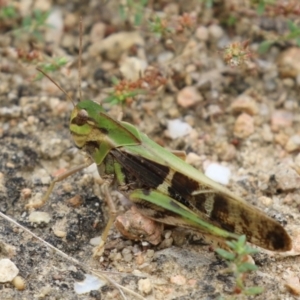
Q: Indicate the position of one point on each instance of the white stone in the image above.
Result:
(39, 217)
(218, 173)
(90, 283)
(177, 128)
(95, 241)
(145, 286)
(8, 270)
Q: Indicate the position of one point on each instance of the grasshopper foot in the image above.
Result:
(98, 251)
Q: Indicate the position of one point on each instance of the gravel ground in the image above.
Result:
(245, 118)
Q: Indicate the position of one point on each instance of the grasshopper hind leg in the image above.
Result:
(98, 251)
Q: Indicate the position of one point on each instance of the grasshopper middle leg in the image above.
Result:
(57, 179)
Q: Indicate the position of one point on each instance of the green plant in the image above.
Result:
(294, 34)
(237, 261)
(124, 90)
(34, 24)
(159, 27)
(237, 53)
(261, 5)
(7, 12)
(133, 8)
(51, 66)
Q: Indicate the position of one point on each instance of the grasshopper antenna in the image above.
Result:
(79, 59)
(57, 85)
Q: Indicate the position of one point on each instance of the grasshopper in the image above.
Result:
(162, 185)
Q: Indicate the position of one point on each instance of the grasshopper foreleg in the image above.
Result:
(61, 177)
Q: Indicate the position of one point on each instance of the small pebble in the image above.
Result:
(39, 217)
(246, 104)
(75, 201)
(293, 285)
(213, 110)
(227, 151)
(267, 134)
(55, 25)
(150, 253)
(288, 62)
(10, 112)
(145, 286)
(19, 283)
(202, 33)
(7, 250)
(172, 9)
(266, 201)
(132, 68)
(296, 240)
(287, 179)
(147, 268)
(26, 193)
(165, 57)
(193, 158)
(128, 257)
(44, 291)
(139, 259)
(95, 241)
(90, 283)
(166, 243)
(281, 138)
(188, 96)
(293, 143)
(117, 43)
(167, 234)
(215, 31)
(8, 270)
(97, 32)
(177, 128)
(297, 164)
(281, 119)
(59, 233)
(244, 126)
(218, 173)
(178, 279)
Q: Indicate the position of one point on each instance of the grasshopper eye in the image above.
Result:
(83, 114)
(81, 117)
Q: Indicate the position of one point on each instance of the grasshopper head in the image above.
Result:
(97, 133)
(84, 123)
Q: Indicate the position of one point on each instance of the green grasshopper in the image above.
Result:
(163, 186)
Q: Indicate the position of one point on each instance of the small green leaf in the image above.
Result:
(241, 241)
(138, 18)
(247, 267)
(8, 12)
(122, 12)
(250, 250)
(225, 254)
(291, 25)
(261, 8)
(255, 290)
(232, 245)
(115, 80)
(265, 46)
